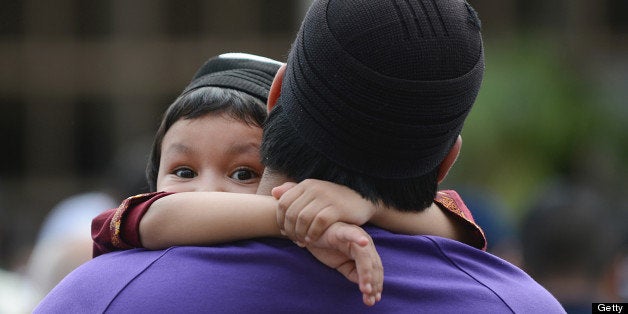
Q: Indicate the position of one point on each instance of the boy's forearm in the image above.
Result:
(431, 221)
(206, 218)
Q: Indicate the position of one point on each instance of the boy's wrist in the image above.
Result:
(381, 214)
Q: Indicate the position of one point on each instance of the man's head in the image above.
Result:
(374, 96)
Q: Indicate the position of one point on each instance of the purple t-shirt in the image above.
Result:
(422, 274)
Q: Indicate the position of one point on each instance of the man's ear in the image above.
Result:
(275, 88)
(449, 160)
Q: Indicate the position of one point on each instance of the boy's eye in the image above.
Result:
(244, 175)
(185, 173)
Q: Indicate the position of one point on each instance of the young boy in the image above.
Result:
(209, 142)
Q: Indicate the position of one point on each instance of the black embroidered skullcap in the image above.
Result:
(240, 71)
(383, 87)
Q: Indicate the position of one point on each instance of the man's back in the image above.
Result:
(422, 274)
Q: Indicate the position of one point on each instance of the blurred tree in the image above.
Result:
(533, 116)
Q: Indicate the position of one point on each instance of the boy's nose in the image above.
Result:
(210, 184)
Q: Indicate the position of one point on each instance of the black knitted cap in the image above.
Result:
(383, 87)
(240, 71)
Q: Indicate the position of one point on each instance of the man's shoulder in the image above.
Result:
(480, 277)
(520, 292)
(92, 286)
(221, 277)
(243, 276)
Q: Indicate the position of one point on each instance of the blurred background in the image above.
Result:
(83, 85)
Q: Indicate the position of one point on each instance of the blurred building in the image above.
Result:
(80, 78)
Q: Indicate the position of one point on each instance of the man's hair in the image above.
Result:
(282, 150)
(375, 94)
(201, 102)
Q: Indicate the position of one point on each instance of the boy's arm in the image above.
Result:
(351, 251)
(101, 235)
(206, 218)
(308, 208)
(118, 228)
(192, 218)
(447, 217)
(430, 221)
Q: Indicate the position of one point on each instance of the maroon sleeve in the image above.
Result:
(118, 228)
(452, 203)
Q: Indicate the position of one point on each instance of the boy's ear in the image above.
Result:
(449, 160)
(275, 88)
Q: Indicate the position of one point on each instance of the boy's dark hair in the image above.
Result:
(235, 84)
(375, 94)
(198, 103)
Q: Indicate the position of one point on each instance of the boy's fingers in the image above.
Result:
(278, 191)
(367, 262)
(348, 269)
(287, 196)
(363, 264)
(325, 218)
(295, 210)
(370, 272)
(364, 273)
(304, 220)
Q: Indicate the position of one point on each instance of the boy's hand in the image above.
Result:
(307, 209)
(351, 251)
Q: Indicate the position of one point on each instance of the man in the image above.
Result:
(374, 96)
(581, 272)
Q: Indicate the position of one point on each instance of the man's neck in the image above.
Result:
(270, 179)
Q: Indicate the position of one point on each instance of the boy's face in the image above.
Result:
(210, 153)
